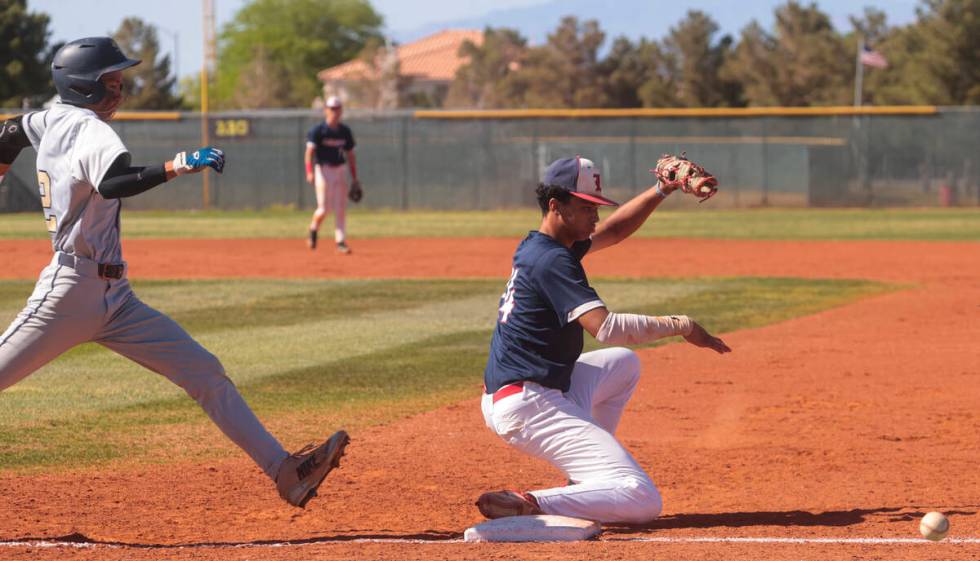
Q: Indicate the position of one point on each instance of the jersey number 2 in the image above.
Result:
(45, 184)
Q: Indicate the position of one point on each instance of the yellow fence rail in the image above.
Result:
(679, 112)
(128, 115)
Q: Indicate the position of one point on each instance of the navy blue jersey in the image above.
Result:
(329, 143)
(537, 338)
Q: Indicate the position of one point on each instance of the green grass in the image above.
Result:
(959, 224)
(314, 355)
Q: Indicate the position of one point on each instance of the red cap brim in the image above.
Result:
(595, 199)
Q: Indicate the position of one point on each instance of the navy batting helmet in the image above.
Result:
(78, 65)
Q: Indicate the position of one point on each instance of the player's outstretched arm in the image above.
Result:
(673, 173)
(627, 219)
(633, 329)
(124, 180)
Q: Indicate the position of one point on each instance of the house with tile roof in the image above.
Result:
(416, 74)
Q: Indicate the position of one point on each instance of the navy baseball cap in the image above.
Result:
(579, 177)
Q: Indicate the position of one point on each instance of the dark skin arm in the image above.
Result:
(626, 219)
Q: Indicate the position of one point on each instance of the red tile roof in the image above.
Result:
(431, 58)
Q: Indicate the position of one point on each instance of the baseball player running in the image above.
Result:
(83, 295)
(329, 148)
(542, 395)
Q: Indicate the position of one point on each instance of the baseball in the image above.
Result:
(934, 526)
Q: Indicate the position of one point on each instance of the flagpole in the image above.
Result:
(858, 73)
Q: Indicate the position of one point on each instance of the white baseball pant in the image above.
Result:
(330, 184)
(573, 431)
(71, 305)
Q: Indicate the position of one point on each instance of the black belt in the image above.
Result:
(110, 271)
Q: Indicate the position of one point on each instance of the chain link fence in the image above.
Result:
(409, 162)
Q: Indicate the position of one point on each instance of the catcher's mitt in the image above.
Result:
(355, 193)
(677, 172)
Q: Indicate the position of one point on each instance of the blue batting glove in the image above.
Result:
(198, 160)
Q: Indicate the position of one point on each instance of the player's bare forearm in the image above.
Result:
(352, 161)
(3, 169)
(626, 219)
(308, 163)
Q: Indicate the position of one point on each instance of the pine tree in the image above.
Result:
(148, 85)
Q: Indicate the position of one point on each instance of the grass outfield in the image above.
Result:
(314, 355)
(959, 224)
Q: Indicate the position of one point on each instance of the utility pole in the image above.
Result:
(206, 70)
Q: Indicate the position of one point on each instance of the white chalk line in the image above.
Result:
(873, 541)
(665, 540)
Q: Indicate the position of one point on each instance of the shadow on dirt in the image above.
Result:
(830, 519)
(83, 541)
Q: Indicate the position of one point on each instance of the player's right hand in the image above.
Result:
(701, 338)
(309, 178)
(199, 159)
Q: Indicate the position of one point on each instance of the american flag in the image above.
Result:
(871, 57)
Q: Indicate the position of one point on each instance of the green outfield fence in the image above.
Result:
(835, 156)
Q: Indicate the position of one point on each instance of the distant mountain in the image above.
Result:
(651, 18)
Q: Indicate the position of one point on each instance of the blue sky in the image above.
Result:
(179, 21)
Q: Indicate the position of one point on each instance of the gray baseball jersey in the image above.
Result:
(74, 151)
(83, 295)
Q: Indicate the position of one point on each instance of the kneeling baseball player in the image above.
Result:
(83, 295)
(543, 396)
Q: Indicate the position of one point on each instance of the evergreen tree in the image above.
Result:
(935, 60)
(804, 63)
(695, 62)
(639, 75)
(486, 80)
(25, 69)
(565, 71)
(148, 85)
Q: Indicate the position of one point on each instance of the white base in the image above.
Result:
(536, 528)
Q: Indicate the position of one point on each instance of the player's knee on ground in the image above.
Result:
(641, 501)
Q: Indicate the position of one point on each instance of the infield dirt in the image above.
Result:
(850, 423)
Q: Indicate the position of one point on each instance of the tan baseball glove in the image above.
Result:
(677, 172)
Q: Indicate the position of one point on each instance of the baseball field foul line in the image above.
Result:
(668, 540)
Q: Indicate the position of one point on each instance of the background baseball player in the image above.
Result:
(83, 170)
(542, 395)
(329, 148)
